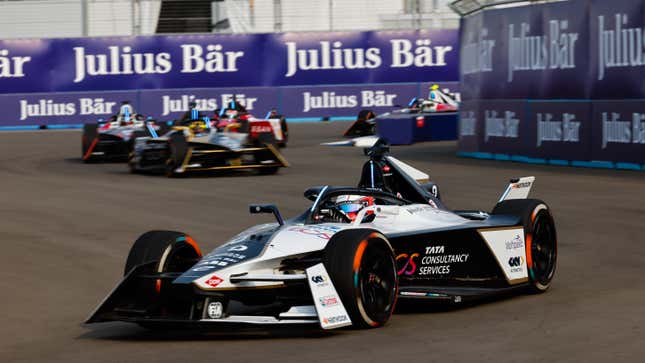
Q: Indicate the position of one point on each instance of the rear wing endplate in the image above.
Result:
(518, 188)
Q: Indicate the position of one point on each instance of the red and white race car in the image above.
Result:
(233, 120)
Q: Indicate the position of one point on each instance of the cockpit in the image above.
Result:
(346, 204)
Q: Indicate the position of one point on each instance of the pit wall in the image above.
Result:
(56, 82)
(560, 83)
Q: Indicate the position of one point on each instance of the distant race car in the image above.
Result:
(344, 261)
(437, 101)
(231, 116)
(194, 145)
(113, 140)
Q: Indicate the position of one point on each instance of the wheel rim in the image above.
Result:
(543, 249)
(377, 284)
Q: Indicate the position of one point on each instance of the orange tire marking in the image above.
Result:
(529, 260)
(359, 255)
(88, 153)
(192, 242)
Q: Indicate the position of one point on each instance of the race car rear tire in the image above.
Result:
(365, 115)
(132, 165)
(88, 142)
(360, 127)
(285, 132)
(178, 147)
(361, 265)
(540, 239)
(171, 251)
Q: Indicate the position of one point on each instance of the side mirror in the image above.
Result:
(267, 208)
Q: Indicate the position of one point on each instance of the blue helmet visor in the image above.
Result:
(351, 207)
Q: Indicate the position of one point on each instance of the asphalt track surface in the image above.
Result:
(67, 228)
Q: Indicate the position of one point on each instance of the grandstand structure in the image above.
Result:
(82, 18)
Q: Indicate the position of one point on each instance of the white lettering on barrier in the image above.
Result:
(566, 130)
(12, 67)
(422, 56)
(538, 52)
(215, 60)
(477, 57)
(619, 47)
(615, 130)
(45, 108)
(119, 61)
(330, 55)
(504, 127)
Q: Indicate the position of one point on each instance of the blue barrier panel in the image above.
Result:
(557, 82)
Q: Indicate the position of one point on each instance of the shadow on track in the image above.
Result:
(126, 331)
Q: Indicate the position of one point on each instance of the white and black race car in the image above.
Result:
(438, 102)
(344, 261)
(113, 139)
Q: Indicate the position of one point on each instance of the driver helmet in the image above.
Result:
(351, 205)
(126, 111)
(198, 127)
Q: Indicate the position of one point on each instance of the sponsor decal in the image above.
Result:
(213, 281)
(238, 248)
(467, 123)
(567, 130)
(521, 185)
(409, 264)
(218, 260)
(434, 262)
(318, 279)
(507, 126)
(329, 300)
(477, 55)
(335, 319)
(615, 130)
(515, 243)
(12, 66)
(516, 263)
(215, 310)
(620, 46)
(508, 247)
(261, 129)
(419, 209)
(333, 55)
(332, 100)
(84, 107)
(322, 232)
(555, 50)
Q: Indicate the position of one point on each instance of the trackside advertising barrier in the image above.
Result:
(560, 83)
(305, 75)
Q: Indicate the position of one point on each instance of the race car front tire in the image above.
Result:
(170, 251)
(540, 239)
(361, 265)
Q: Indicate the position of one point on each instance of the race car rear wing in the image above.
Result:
(518, 188)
